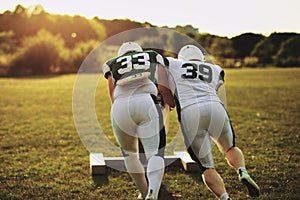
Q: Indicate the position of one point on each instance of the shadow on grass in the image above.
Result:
(165, 194)
(100, 180)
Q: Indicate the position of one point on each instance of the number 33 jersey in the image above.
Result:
(195, 81)
(133, 66)
(134, 73)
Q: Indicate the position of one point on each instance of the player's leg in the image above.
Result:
(148, 132)
(133, 165)
(129, 145)
(194, 124)
(222, 134)
(155, 166)
(215, 183)
(210, 176)
(234, 156)
(163, 113)
(163, 116)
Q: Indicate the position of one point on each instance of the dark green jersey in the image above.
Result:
(132, 66)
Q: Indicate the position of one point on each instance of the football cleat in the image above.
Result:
(252, 187)
(150, 196)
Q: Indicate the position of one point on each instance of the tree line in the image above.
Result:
(33, 41)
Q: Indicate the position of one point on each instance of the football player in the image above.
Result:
(203, 117)
(136, 115)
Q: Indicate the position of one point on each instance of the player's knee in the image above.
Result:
(150, 154)
(230, 149)
(233, 149)
(127, 153)
(161, 152)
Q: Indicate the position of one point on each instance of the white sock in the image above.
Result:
(243, 169)
(224, 196)
(155, 172)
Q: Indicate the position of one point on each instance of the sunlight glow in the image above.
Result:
(74, 35)
(224, 18)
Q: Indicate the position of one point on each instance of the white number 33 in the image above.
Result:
(136, 61)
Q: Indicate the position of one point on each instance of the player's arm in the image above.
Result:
(111, 88)
(221, 88)
(163, 87)
(222, 95)
(108, 76)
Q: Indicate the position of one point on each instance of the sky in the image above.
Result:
(219, 17)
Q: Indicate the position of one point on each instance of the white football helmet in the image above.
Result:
(128, 47)
(190, 52)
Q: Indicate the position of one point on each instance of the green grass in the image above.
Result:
(42, 156)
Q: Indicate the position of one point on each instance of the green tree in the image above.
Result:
(289, 53)
(222, 47)
(278, 38)
(20, 11)
(267, 48)
(263, 50)
(206, 40)
(72, 59)
(244, 44)
(7, 42)
(188, 30)
(38, 55)
(116, 26)
(26, 22)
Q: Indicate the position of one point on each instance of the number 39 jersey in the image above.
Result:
(195, 81)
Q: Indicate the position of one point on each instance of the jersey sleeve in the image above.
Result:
(155, 57)
(169, 61)
(221, 75)
(160, 59)
(106, 68)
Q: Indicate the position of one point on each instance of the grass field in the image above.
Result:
(42, 156)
